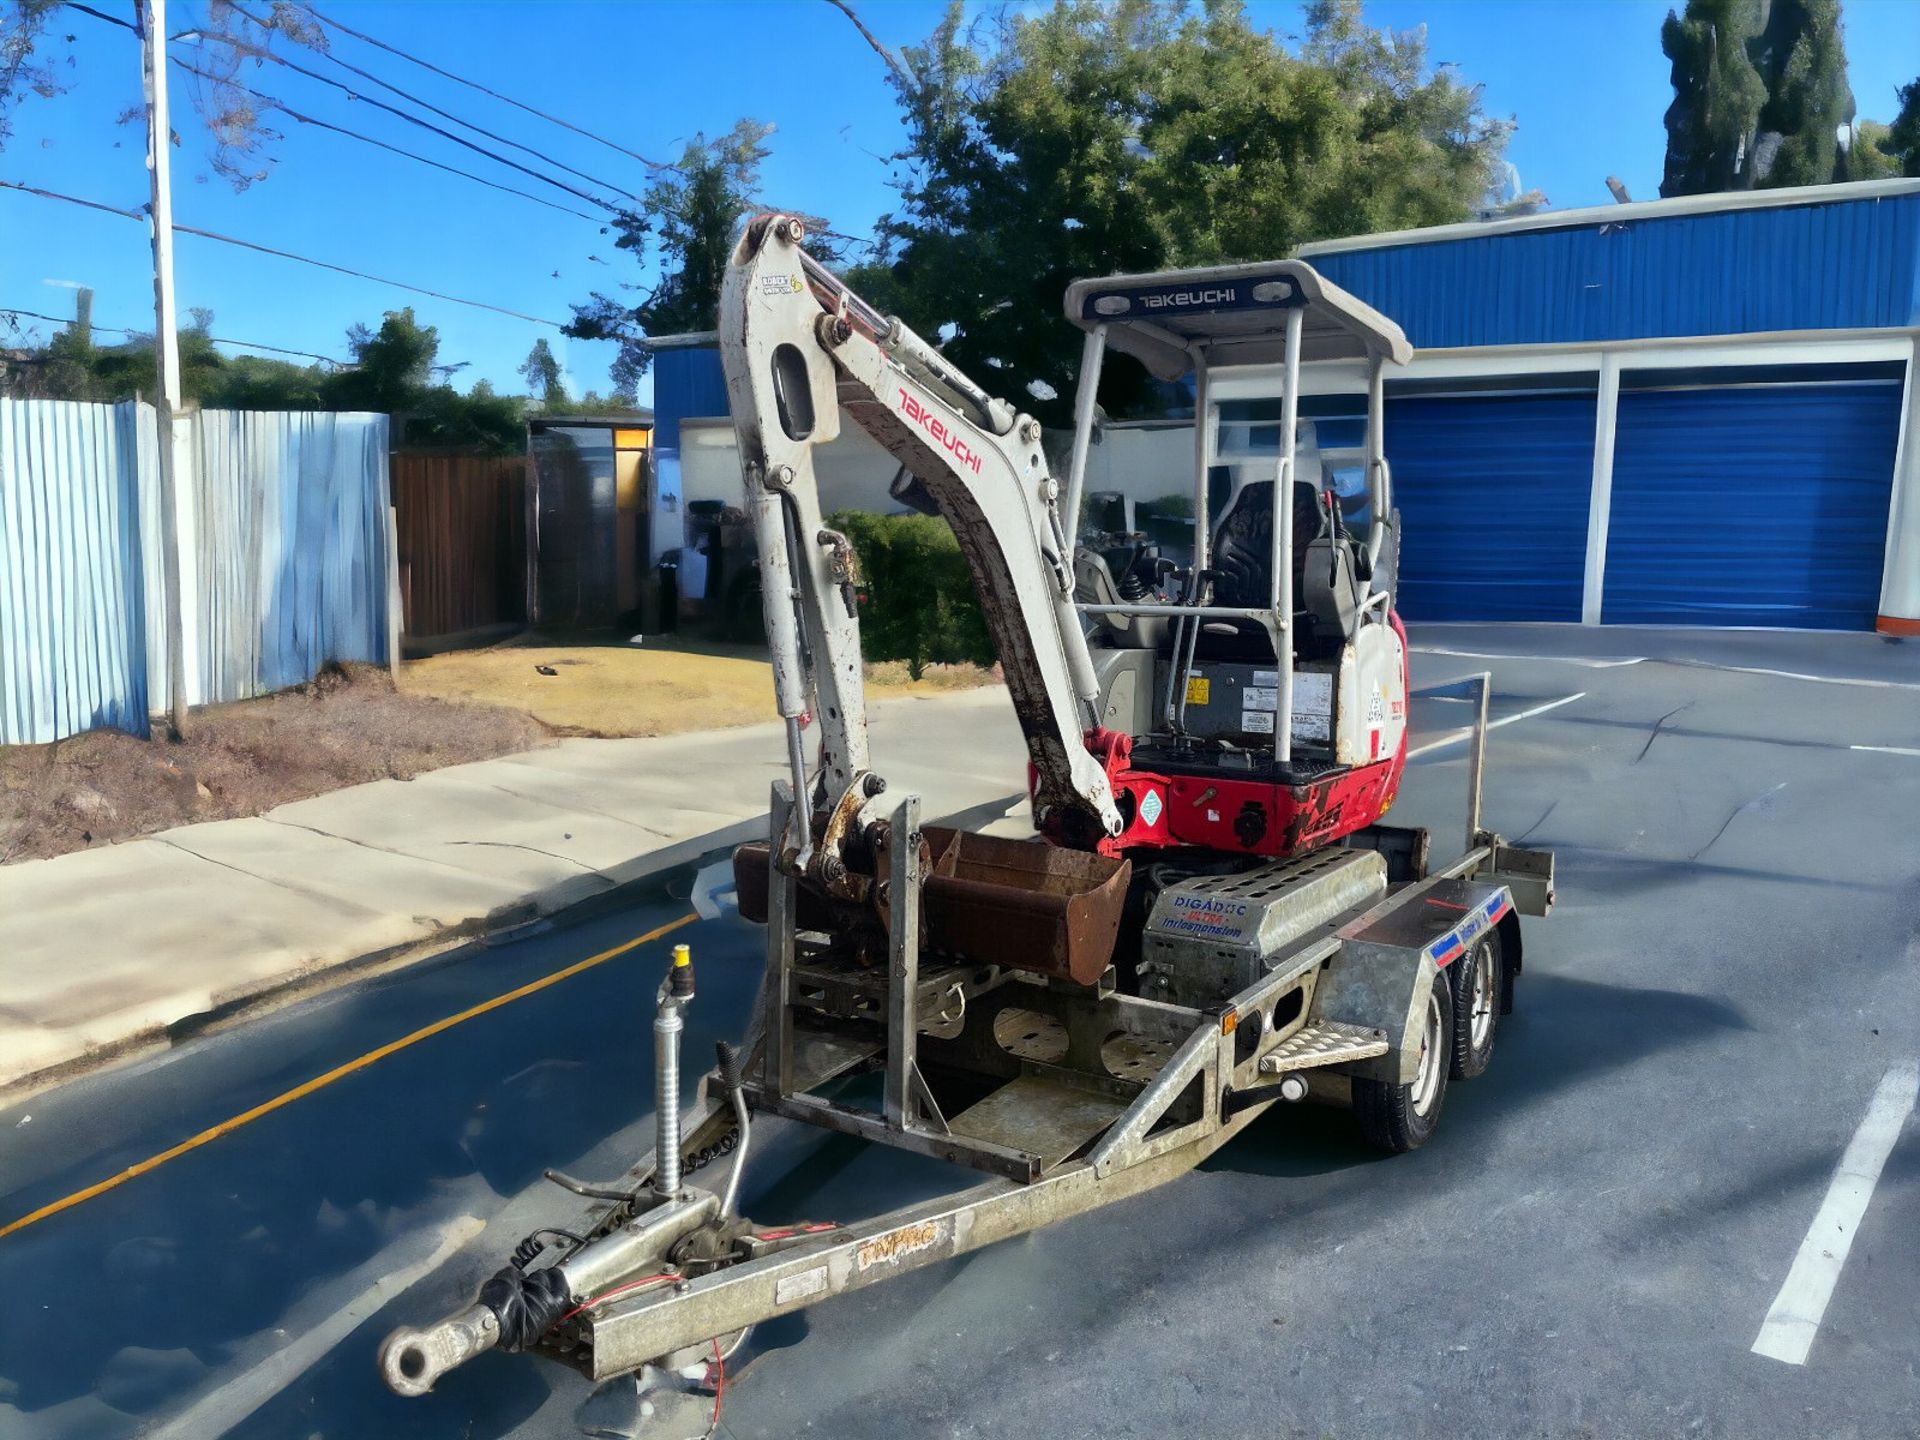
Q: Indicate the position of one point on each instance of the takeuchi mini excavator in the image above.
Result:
(1214, 917)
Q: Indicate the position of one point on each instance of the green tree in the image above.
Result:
(1802, 58)
(1717, 95)
(24, 67)
(541, 371)
(1761, 98)
(1903, 136)
(393, 366)
(917, 600)
(393, 373)
(1869, 154)
(686, 219)
(1134, 135)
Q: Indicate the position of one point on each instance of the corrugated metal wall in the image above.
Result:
(285, 536)
(72, 618)
(688, 384)
(1850, 264)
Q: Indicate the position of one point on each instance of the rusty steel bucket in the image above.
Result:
(1023, 904)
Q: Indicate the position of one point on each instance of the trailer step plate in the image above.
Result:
(1329, 1042)
(1043, 1117)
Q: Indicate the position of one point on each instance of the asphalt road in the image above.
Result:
(1589, 1247)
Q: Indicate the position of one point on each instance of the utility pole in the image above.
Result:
(151, 16)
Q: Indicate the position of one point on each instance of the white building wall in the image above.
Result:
(853, 472)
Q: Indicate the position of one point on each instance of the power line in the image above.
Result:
(281, 254)
(274, 102)
(278, 104)
(476, 85)
(424, 104)
(352, 94)
(15, 312)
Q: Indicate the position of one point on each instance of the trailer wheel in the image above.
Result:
(1476, 979)
(1399, 1118)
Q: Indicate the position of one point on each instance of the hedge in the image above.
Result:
(916, 593)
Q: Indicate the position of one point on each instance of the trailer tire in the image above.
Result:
(1477, 980)
(1399, 1118)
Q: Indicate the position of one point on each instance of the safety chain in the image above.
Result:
(707, 1154)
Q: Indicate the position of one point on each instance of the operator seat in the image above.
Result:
(1328, 583)
(1243, 542)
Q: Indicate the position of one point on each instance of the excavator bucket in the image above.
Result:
(1023, 904)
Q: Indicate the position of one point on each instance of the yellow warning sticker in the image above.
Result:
(1198, 687)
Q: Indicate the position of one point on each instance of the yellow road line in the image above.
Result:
(319, 1082)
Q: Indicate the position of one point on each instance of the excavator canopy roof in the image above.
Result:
(1238, 312)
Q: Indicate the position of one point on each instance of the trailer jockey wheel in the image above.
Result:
(1476, 980)
(1399, 1118)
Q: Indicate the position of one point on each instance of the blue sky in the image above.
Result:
(1584, 78)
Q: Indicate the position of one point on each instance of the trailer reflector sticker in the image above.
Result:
(896, 1245)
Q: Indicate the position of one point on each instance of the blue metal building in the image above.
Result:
(1695, 411)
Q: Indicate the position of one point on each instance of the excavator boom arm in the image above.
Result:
(799, 348)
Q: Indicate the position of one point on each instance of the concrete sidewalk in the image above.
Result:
(110, 950)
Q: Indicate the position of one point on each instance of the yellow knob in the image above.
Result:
(682, 955)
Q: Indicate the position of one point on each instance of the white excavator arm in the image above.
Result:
(798, 348)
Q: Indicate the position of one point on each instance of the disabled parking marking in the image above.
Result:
(1787, 1334)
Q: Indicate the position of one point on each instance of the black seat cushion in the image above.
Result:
(1243, 542)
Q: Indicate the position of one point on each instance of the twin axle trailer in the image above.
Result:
(1354, 975)
(1216, 920)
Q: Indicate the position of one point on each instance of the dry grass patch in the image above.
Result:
(608, 690)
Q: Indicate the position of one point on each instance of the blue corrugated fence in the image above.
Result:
(285, 536)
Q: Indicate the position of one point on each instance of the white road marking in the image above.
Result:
(1802, 675)
(1458, 736)
(1592, 662)
(713, 889)
(233, 1400)
(1794, 1320)
(1886, 749)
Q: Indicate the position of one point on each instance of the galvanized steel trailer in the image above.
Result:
(1216, 920)
(1092, 1096)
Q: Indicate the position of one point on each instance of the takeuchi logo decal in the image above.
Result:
(937, 428)
(1214, 295)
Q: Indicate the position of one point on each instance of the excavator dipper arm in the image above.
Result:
(799, 348)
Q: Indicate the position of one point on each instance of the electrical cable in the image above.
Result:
(476, 85)
(429, 105)
(281, 254)
(215, 339)
(719, 1389)
(276, 103)
(606, 1295)
(255, 51)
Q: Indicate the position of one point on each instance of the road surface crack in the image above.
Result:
(1742, 806)
(531, 849)
(303, 890)
(1654, 734)
(1551, 805)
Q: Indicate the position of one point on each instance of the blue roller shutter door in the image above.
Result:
(1493, 494)
(1764, 506)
